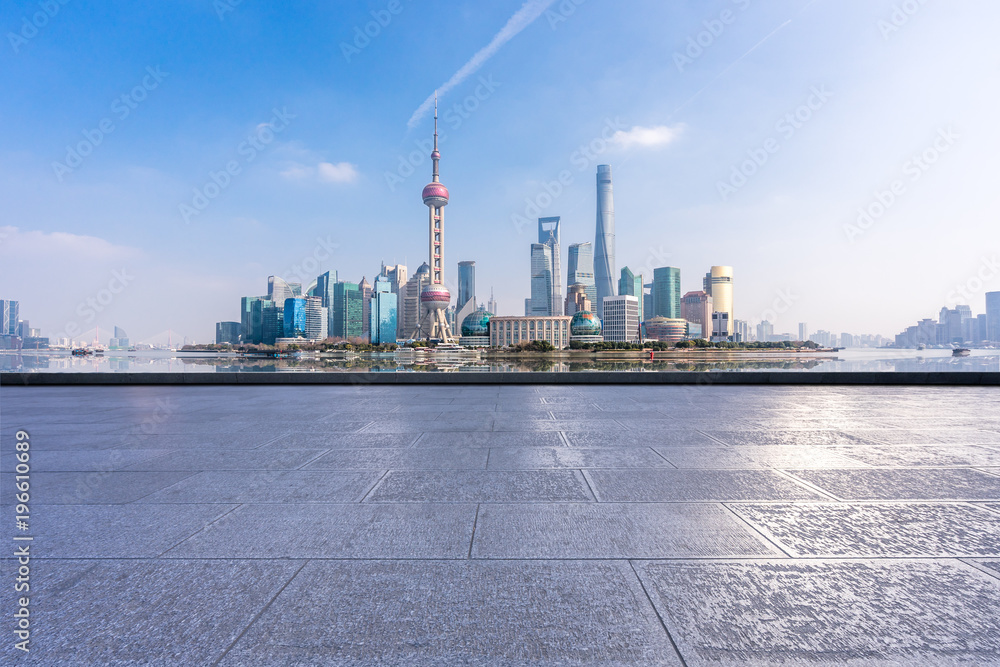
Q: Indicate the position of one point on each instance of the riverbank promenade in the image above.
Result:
(504, 525)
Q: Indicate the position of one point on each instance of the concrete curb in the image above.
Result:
(980, 379)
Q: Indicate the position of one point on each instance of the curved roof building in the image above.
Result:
(477, 323)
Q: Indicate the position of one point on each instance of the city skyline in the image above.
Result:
(799, 183)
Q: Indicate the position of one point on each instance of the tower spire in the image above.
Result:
(435, 155)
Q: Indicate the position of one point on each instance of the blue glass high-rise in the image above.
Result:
(666, 293)
(294, 317)
(466, 284)
(383, 312)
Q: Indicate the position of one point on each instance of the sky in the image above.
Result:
(161, 160)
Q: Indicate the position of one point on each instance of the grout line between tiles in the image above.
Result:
(259, 614)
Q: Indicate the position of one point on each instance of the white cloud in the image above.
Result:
(646, 137)
(342, 172)
(521, 19)
(15, 243)
(325, 172)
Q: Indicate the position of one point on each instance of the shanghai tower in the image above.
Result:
(604, 243)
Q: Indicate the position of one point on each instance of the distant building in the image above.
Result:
(225, 333)
(847, 340)
(411, 307)
(741, 331)
(466, 284)
(577, 299)
(580, 268)
(9, 311)
(765, 332)
(382, 322)
(120, 340)
(667, 292)
(278, 290)
(993, 316)
(272, 322)
(631, 284)
(317, 319)
(548, 234)
(803, 331)
(647, 301)
(665, 329)
(621, 318)
(508, 331)
(491, 305)
(721, 326)
(718, 284)
(365, 288)
(696, 307)
(541, 281)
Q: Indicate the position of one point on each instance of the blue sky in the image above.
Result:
(205, 81)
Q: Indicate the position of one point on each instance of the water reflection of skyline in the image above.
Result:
(882, 361)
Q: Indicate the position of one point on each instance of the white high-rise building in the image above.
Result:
(718, 284)
(621, 319)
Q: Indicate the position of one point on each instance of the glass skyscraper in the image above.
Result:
(466, 284)
(631, 285)
(580, 269)
(348, 308)
(8, 326)
(548, 234)
(541, 280)
(667, 292)
(294, 318)
(383, 312)
(604, 241)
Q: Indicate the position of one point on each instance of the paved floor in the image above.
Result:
(507, 525)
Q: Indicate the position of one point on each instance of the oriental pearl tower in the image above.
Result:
(435, 297)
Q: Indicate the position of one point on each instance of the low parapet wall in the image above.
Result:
(974, 379)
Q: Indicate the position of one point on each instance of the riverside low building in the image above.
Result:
(508, 331)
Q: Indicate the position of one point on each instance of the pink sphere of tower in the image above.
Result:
(435, 296)
(435, 194)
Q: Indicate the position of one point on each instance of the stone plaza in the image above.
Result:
(506, 525)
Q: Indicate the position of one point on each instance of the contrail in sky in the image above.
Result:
(521, 19)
